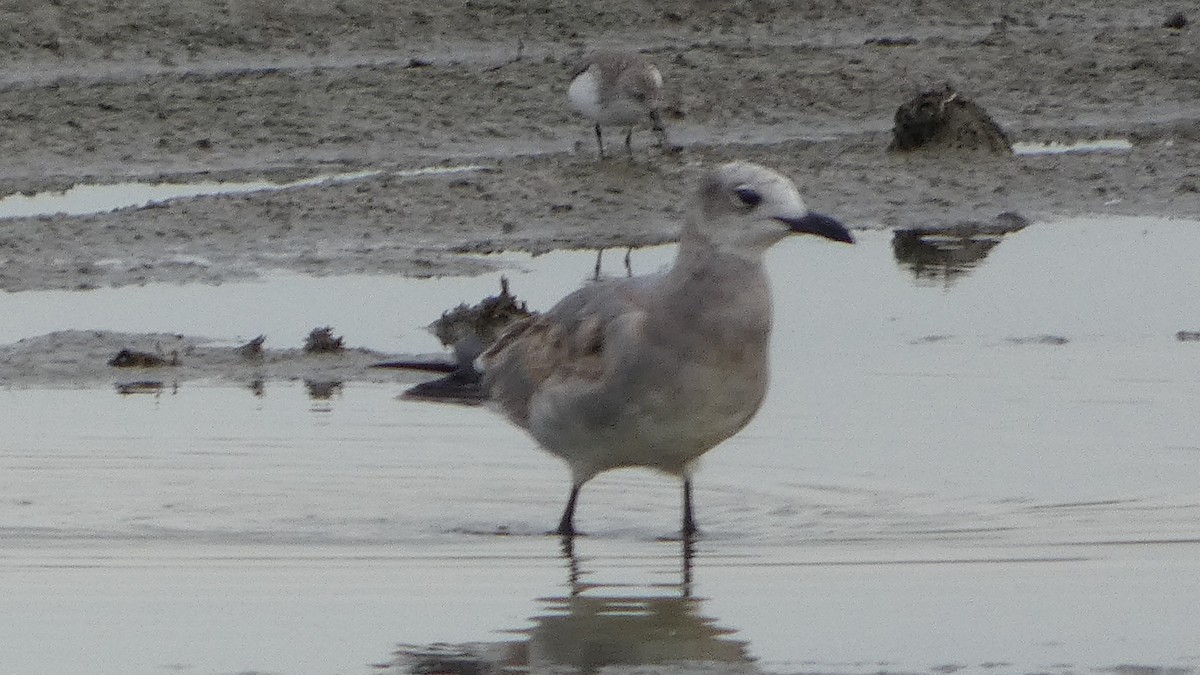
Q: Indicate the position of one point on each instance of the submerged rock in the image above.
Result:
(943, 119)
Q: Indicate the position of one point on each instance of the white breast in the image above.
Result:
(583, 96)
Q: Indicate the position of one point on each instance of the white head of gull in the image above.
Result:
(655, 371)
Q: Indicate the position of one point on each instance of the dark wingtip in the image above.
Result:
(462, 386)
(822, 226)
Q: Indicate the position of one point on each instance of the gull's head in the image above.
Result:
(745, 208)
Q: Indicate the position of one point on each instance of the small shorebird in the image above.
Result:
(654, 371)
(616, 88)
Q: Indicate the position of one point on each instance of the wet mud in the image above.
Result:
(144, 91)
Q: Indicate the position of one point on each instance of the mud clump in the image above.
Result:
(322, 341)
(482, 322)
(253, 350)
(467, 330)
(943, 119)
(1176, 21)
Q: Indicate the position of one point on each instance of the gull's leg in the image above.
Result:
(689, 520)
(685, 582)
(600, 141)
(566, 526)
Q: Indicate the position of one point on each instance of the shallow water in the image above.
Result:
(994, 464)
(1055, 148)
(87, 199)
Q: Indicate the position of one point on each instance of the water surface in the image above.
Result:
(991, 471)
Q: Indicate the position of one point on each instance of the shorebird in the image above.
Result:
(616, 88)
(654, 371)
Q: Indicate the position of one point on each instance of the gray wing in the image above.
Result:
(565, 343)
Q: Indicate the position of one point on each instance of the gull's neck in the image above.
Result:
(717, 290)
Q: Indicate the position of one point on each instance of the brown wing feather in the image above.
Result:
(535, 350)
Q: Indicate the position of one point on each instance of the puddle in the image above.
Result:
(941, 478)
(389, 313)
(1055, 148)
(88, 199)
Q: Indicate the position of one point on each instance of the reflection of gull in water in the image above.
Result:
(596, 625)
(654, 371)
(589, 631)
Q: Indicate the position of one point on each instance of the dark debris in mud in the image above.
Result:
(253, 350)
(1050, 340)
(80, 357)
(902, 41)
(322, 341)
(468, 330)
(1177, 21)
(483, 321)
(131, 358)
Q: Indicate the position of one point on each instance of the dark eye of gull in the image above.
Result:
(748, 195)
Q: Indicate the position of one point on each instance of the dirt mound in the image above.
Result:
(943, 119)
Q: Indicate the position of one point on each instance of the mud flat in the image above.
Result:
(103, 93)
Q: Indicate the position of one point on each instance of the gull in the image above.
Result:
(617, 88)
(654, 371)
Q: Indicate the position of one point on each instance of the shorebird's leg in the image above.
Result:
(596, 272)
(689, 520)
(566, 526)
(659, 129)
(629, 142)
(628, 262)
(600, 141)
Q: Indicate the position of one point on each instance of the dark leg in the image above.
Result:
(659, 129)
(628, 262)
(568, 554)
(689, 549)
(600, 141)
(596, 273)
(566, 526)
(689, 520)
(629, 142)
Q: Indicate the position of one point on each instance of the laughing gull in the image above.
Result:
(615, 88)
(654, 371)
